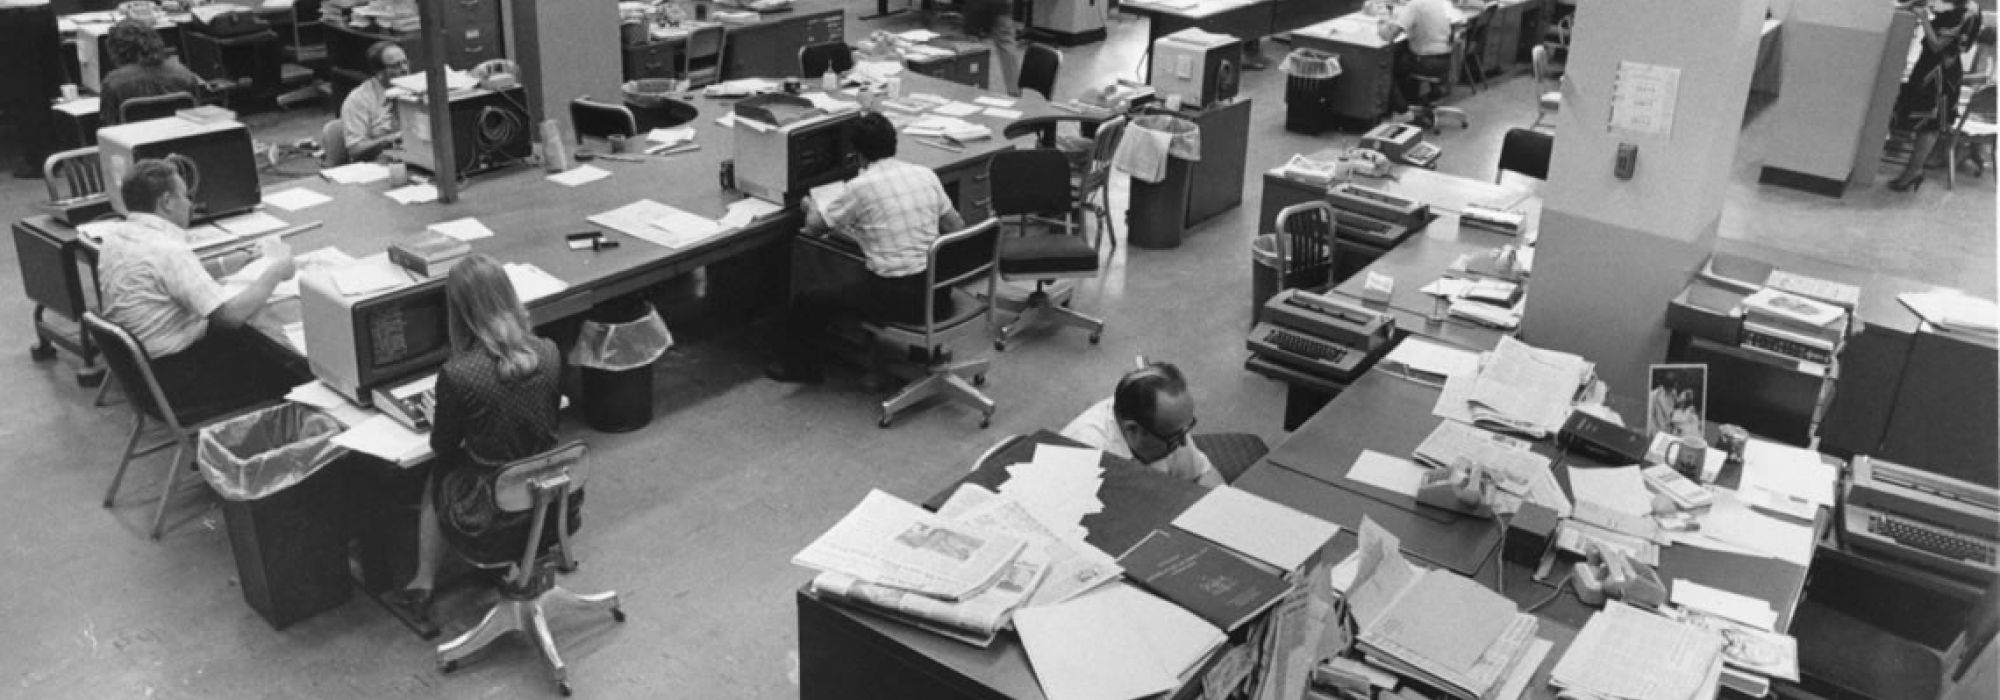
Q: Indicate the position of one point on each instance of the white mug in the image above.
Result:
(69, 92)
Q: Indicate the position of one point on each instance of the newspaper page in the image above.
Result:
(1525, 389)
(1074, 566)
(891, 542)
(1624, 652)
(975, 620)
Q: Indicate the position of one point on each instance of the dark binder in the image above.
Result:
(1211, 581)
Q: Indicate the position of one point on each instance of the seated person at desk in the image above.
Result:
(497, 402)
(1148, 419)
(144, 70)
(157, 290)
(368, 116)
(894, 210)
(1426, 26)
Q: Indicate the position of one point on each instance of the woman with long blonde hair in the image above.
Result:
(497, 402)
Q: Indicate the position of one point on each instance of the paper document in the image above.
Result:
(746, 211)
(579, 175)
(1074, 566)
(414, 194)
(531, 282)
(1756, 650)
(1510, 461)
(1257, 527)
(356, 173)
(367, 276)
(318, 395)
(1059, 486)
(1788, 471)
(295, 336)
(418, 83)
(1621, 489)
(1002, 113)
(1954, 310)
(467, 229)
(918, 35)
(251, 224)
(1178, 638)
(1526, 389)
(1389, 473)
(1735, 606)
(657, 223)
(1090, 649)
(671, 136)
(958, 109)
(886, 540)
(295, 198)
(1734, 523)
(383, 437)
(1436, 360)
(1624, 652)
(992, 101)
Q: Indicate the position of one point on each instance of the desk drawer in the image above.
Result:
(970, 189)
(658, 59)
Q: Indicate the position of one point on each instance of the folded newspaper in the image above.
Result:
(975, 620)
(890, 542)
(1527, 390)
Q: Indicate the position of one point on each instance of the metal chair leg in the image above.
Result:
(103, 388)
(499, 621)
(125, 459)
(167, 492)
(538, 627)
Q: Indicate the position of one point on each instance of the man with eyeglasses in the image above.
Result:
(1148, 419)
(368, 116)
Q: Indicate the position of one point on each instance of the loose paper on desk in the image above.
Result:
(671, 136)
(295, 336)
(1735, 606)
(1954, 310)
(318, 395)
(958, 109)
(383, 437)
(992, 101)
(1178, 638)
(657, 223)
(1453, 402)
(1257, 527)
(367, 275)
(1788, 471)
(414, 194)
(579, 175)
(1448, 287)
(1387, 472)
(824, 197)
(1620, 489)
(1075, 566)
(1733, 523)
(1090, 649)
(1002, 113)
(251, 224)
(356, 173)
(746, 211)
(467, 229)
(888, 541)
(531, 282)
(1624, 652)
(918, 35)
(1380, 574)
(295, 198)
(1059, 487)
(1525, 389)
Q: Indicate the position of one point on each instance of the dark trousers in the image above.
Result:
(225, 370)
(832, 286)
(1410, 92)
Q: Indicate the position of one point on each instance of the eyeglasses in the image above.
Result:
(1178, 438)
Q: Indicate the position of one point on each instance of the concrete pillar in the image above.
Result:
(567, 49)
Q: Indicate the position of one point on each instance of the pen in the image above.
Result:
(621, 159)
(665, 150)
(941, 145)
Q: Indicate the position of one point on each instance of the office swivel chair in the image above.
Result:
(1093, 185)
(75, 176)
(1436, 86)
(955, 260)
(701, 63)
(1038, 188)
(601, 119)
(1039, 66)
(815, 59)
(133, 368)
(140, 109)
(541, 485)
(1548, 87)
(1525, 151)
(1976, 129)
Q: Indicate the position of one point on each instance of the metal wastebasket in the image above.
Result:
(614, 353)
(285, 510)
(1309, 90)
(1266, 267)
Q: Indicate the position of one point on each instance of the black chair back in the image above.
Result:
(1526, 151)
(1036, 181)
(815, 59)
(1306, 233)
(964, 255)
(140, 109)
(129, 364)
(1039, 66)
(601, 119)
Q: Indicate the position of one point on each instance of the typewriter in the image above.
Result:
(1402, 142)
(1927, 519)
(1320, 336)
(1351, 198)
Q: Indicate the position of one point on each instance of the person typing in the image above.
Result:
(1148, 419)
(368, 115)
(154, 286)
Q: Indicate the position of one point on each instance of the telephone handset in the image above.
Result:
(1610, 574)
(1366, 162)
(496, 74)
(1461, 487)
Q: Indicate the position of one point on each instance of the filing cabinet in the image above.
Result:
(659, 58)
(971, 189)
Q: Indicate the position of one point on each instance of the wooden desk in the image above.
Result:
(844, 653)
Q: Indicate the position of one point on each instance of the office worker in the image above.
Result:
(368, 115)
(156, 289)
(1426, 28)
(144, 70)
(1148, 419)
(893, 210)
(497, 402)
(993, 21)
(1927, 105)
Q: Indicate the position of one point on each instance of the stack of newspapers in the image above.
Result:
(1519, 389)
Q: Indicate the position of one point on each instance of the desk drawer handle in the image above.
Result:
(471, 48)
(469, 4)
(981, 177)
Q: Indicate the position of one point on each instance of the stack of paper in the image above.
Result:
(356, 173)
(418, 83)
(531, 282)
(318, 395)
(1625, 652)
(1257, 527)
(1074, 565)
(657, 223)
(1731, 525)
(1434, 625)
(1519, 474)
(295, 198)
(1955, 311)
(383, 437)
(1751, 655)
(1059, 486)
(1113, 644)
(1782, 474)
(1526, 390)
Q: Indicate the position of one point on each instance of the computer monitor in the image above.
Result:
(360, 342)
(215, 157)
(489, 130)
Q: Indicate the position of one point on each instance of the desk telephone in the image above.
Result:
(1321, 335)
(1610, 574)
(1462, 488)
(412, 403)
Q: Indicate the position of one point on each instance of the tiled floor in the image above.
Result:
(694, 519)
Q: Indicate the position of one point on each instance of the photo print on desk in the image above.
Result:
(1677, 400)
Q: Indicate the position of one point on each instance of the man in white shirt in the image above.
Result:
(893, 211)
(1148, 419)
(368, 115)
(1426, 29)
(157, 290)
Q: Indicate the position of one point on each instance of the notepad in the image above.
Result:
(1258, 527)
(295, 199)
(579, 175)
(466, 229)
(1389, 473)
(531, 282)
(414, 194)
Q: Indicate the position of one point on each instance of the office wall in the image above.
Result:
(1612, 252)
(567, 49)
(1832, 52)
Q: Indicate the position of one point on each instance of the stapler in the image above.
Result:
(1460, 488)
(1610, 574)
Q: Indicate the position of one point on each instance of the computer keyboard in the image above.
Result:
(1935, 541)
(1303, 346)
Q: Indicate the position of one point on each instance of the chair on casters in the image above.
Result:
(542, 485)
(601, 119)
(1548, 89)
(1435, 87)
(815, 59)
(701, 64)
(1038, 186)
(133, 368)
(1306, 250)
(955, 259)
(1039, 66)
(140, 109)
(332, 144)
(1525, 151)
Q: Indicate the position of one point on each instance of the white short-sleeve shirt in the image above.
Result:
(1098, 427)
(1428, 26)
(154, 285)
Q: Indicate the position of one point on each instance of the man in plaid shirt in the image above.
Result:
(893, 210)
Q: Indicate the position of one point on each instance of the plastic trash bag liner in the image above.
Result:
(255, 455)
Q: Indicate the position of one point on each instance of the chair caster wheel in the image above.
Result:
(999, 346)
(42, 352)
(618, 614)
(1096, 336)
(882, 422)
(979, 379)
(447, 666)
(986, 421)
(563, 687)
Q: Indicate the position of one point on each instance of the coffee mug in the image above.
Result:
(69, 92)
(399, 174)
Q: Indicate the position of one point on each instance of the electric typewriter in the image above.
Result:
(1350, 199)
(1927, 519)
(1403, 142)
(1319, 335)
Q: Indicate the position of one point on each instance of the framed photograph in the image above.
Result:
(1676, 399)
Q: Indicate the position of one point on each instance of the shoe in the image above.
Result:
(1902, 185)
(793, 373)
(415, 602)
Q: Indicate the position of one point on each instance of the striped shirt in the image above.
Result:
(891, 209)
(154, 285)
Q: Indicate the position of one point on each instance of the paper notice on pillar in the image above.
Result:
(1642, 99)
